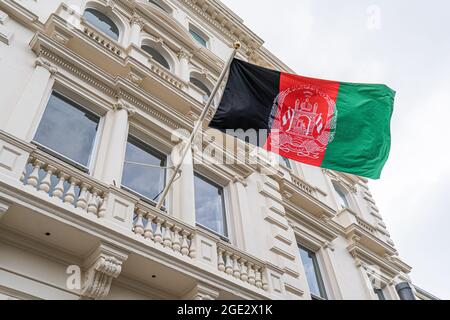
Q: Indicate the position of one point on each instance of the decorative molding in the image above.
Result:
(202, 292)
(104, 265)
(41, 62)
(138, 20)
(4, 206)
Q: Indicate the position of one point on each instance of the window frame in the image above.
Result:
(156, 153)
(317, 271)
(169, 68)
(337, 189)
(195, 32)
(226, 235)
(95, 143)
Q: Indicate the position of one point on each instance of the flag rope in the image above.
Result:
(197, 127)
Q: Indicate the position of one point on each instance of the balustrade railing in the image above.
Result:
(302, 185)
(241, 266)
(164, 230)
(58, 180)
(102, 40)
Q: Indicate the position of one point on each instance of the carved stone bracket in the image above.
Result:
(103, 265)
(41, 62)
(202, 292)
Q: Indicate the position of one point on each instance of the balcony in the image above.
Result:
(58, 205)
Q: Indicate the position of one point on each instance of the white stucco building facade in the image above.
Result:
(92, 92)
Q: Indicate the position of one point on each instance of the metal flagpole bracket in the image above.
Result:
(198, 126)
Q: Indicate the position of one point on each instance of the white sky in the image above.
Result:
(407, 48)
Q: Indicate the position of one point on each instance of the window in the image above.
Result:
(209, 205)
(198, 37)
(200, 85)
(379, 293)
(68, 129)
(341, 196)
(286, 162)
(144, 170)
(158, 57)
(102, 22)
(313, 276)
(159, 5)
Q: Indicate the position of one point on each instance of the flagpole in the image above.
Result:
(197, 127)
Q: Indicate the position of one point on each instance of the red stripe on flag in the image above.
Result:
(301, 128)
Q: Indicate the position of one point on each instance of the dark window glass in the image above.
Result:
(200, 85)
(102, 22)
(209, 205)
(315, 283)
(68, 129)
(158, 57)
(287, 163)
(341, 197)
(144, 170)
(198, 38)
(159, 5)
(379, 293)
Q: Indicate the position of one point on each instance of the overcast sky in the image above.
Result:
(406, 45)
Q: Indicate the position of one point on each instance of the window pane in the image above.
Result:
(312, 271)
(286, 162)
(341, 197)
(138, 175)
(209, 206)
(102, 22)
(68, 129)
(198, 38)
(158, 57)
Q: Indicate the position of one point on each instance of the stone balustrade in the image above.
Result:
(302, 185)
(164, 74)
(166, 231)
(61, 181)
(106, 42)
(366, 226)
(241, 266)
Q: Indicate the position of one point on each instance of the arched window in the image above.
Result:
(341, 196)
(200, 85)
(159, 5)
(157, 56)
(102, 22)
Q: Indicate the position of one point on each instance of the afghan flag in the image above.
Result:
(335, 125)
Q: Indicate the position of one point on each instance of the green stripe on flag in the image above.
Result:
(362, 138)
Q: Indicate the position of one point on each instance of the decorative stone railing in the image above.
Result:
(366, 226)
(241, 266)
(159, 228)
(302, 185)
(102, 40)
(58, 180)
(164, 74)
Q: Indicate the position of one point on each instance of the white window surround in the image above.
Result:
(225, 185)
(96, 141)
(165, 52)
(162, 5)
(121, 23)
(202, 35)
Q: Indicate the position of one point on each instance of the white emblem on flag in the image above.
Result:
(308, 125)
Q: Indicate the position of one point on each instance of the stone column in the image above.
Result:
(183, 195)
(21, 122)
(185, 58)
(116, 143)
(137, 24)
